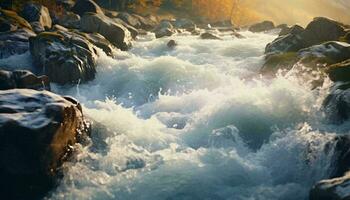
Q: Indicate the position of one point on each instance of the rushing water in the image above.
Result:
(197, 123)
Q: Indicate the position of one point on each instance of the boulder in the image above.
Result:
(14, 42)
(345, 38)
(129, 19)
(37, 13)
(172, 44)
(64, 57)
(165, 28)
(209, 36)
(111, 13)
(339, 71)
(70, 20)
(117, 34)
(322, 29)
(23, 79)
(148, 22)
(99, 41)
(318, 31)
(86, 6)
(186, 24)
(296, 29)
(38, 130)
(262, 27)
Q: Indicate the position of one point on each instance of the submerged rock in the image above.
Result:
(64, 57)
(209, 36)
(23, 79)
(86, 6)
(116, 33)
(38, 130)
(262, 26)
(37, 13)
(172, 44)
(165, 28)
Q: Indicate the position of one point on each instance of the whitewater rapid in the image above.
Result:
(197, 123)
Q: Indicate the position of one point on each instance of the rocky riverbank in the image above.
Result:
(40, 128)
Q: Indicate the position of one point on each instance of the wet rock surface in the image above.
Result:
(23, 79)
(38, 131)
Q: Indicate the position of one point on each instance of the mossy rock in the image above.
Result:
(279, 61)
(14, 18)
(339, 71)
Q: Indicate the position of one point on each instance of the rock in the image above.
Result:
(111, 13)
(37, 13)
(13, 21)
(165, 28)
(225, 23)
(70, 20)
(318, 31)
(339, 71)
(38, 130)
(321, 30)
(278, 61)
(186, 24)
(117, 34)
(129, 19)
(64, 57)
(332, 189)
(148, 22)
(282, 26)
(172, 44)
(23, 79)
(325, 54)
(294, 30)
(86, 6)
(133, 31)
(262, 26)
(99, 41)
(14, 42)
(209, 36)
(237, 35)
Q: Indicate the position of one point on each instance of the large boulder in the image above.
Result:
(23, 79)
(262, 26)
(186, 24)
(14, 42)
(117, 34)
(38, 130)
(64, 57)
(165, 28)
(315, 57)
(318, 31)
(86, 6)
(129, 19)
(37, 13)
(99, 41)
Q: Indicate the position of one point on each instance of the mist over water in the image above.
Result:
(197, 122)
